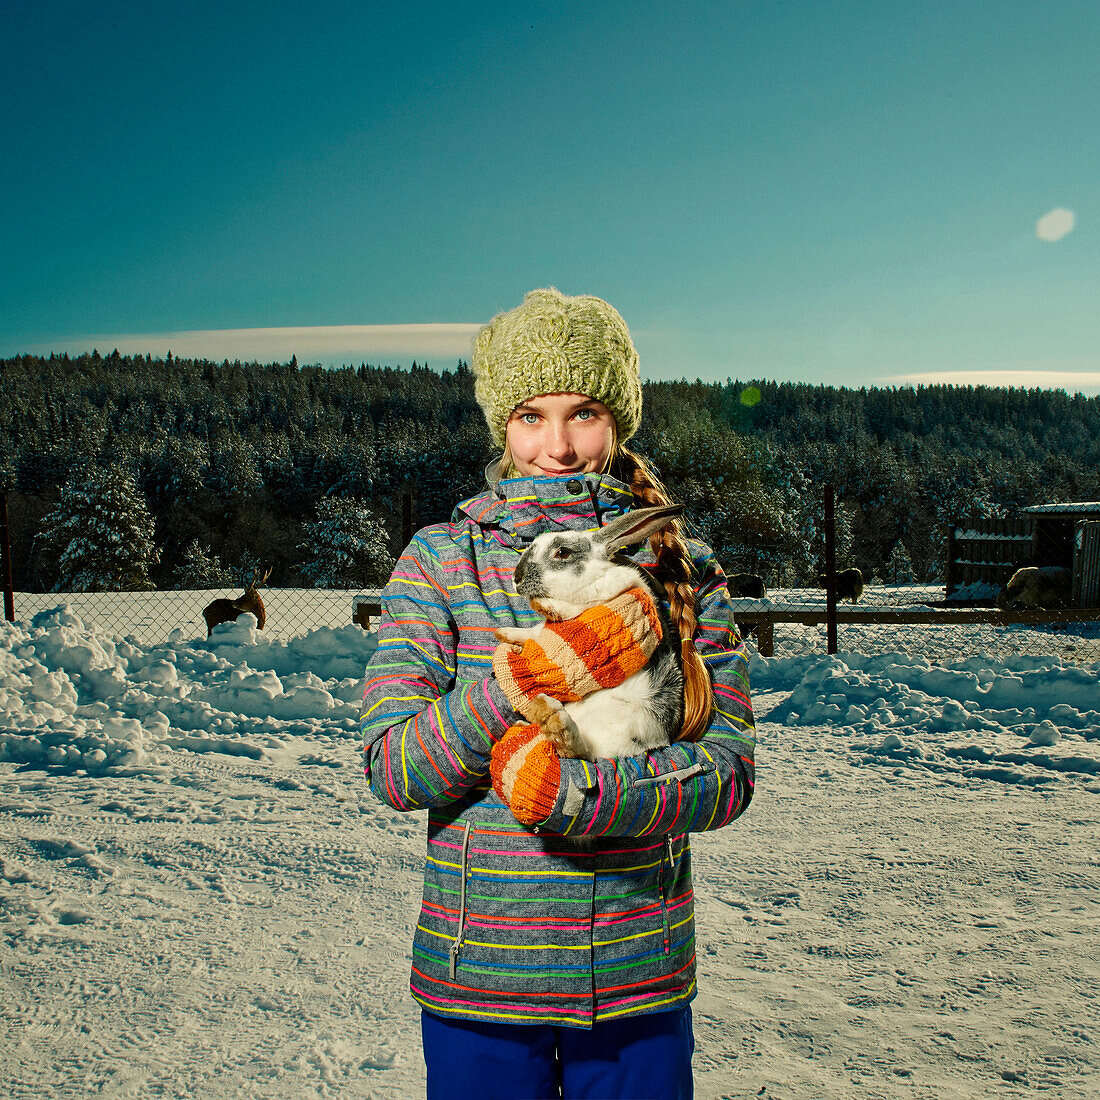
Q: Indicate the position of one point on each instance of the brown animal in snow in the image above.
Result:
(849, 584)
(226, 611)
(1037, 587)
(746, 585)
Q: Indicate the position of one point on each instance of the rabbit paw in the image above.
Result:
(554, 721)
(515, 635)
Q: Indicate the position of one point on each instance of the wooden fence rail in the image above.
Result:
(764, 621)
(364, 609)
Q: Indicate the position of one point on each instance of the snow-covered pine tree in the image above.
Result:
(201, 568)
(899, 569)
(346, 546)
(102, 533)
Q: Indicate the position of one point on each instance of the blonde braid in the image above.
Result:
(674, 570)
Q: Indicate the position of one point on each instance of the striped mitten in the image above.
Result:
(526, 773)
(572, 658)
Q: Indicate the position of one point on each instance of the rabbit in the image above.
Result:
(563, 573)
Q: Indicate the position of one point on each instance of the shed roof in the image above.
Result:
(1078, 508)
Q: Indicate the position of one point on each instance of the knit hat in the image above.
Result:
(552, 343)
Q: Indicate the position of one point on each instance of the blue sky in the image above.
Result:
(849, 193)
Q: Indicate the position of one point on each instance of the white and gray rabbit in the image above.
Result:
(563, 573)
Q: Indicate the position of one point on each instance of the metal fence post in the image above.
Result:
(5, 565)
(830, 571)
(949, 573)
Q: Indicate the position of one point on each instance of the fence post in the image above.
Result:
(5, 565)
(830, 571)
(949, 578)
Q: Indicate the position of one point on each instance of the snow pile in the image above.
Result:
(61, 692)
(76, 698)
(199, 897)
(1018, 720)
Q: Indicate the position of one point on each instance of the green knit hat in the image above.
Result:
(556, 344)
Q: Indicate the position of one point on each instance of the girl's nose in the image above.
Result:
(560, 443)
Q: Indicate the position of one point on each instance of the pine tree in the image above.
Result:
(102, 532)
(346, 546)
(201, 568)
(899, 569)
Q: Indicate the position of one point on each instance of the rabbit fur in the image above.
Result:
(566, 572)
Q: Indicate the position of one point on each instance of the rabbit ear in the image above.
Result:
(637, 524)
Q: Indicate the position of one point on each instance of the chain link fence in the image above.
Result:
(153, 617)
(1022, 586)
(974, 610)
(784, 623)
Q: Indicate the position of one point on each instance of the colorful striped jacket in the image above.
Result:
(532, 926)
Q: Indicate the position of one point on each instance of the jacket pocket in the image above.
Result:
(456, 947)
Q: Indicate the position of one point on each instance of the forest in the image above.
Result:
(138, 472)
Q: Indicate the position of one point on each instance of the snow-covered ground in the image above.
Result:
(200, 898)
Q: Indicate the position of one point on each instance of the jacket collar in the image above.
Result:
(523, 507)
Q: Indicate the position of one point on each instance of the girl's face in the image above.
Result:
(560, 433)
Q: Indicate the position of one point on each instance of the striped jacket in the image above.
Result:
(532, 926)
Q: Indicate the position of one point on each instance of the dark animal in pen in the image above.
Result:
(746, 586)
(1035, 587)
(849, 584)
(226, 611)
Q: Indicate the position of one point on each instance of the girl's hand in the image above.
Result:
(526, 773)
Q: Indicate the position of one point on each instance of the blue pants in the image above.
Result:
(636, 1058)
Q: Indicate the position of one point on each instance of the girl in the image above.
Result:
(546, 967)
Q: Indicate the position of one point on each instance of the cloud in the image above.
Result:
(1086, 382)
(1055, 224)
(328, 344)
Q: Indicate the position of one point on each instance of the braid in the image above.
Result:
(674, 571)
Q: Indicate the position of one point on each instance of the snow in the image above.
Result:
(964, 719)
(1077, 507)
(200, 898)
(973, 535)
(976, 590)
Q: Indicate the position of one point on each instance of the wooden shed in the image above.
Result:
(1055, 525)
(1086, 564)
(991, 550)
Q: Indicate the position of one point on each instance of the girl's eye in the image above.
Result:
(586, 414)
(529, 418)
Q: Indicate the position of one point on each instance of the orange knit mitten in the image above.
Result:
(572, 658)
(526, 773)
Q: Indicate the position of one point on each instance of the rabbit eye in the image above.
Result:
(563, 553)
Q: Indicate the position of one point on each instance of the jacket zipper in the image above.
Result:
(664, 891)
(457, 945)
(681, 774)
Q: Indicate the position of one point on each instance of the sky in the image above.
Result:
(853, 193)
